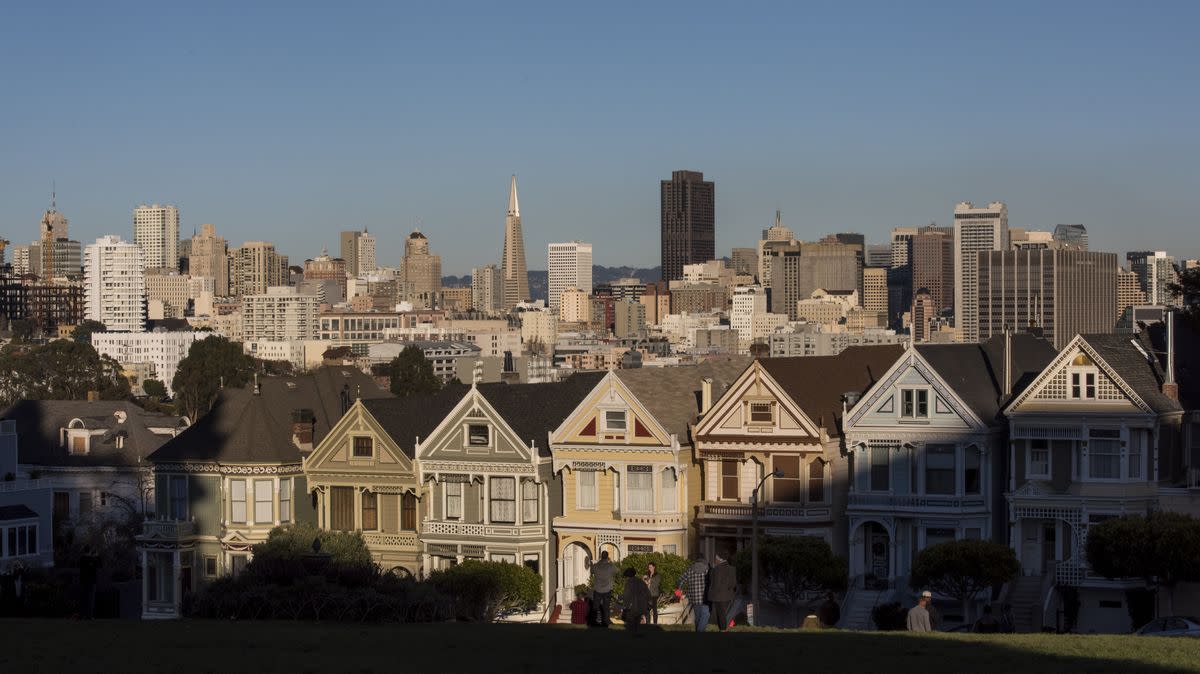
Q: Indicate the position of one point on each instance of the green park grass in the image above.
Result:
(225, 646)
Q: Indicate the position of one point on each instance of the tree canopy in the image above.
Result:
(84, 329)
(154, 389)
(211, 363)
(1163, 547)
(963, 569)
(1187, 288)
(60, 370)
(482, 591)
(793, 567)
(412, 374)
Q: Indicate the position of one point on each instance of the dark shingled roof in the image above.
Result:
(672, 394)
(40, 422)
(1153, 339)
(15, 512)
(406, 419)
(533, 411)
(976, 371)
(256, 428)
(818, 383)
(1136, 367)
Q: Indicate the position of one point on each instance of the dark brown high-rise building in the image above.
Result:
(688, 222)
(933, 266)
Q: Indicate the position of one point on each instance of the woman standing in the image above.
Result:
(654, 584)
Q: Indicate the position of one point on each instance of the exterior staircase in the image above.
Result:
(1025, 595)
(856, 613)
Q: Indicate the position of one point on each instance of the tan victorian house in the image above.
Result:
(623, 455)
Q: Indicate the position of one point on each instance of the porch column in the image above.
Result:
(176, 583)
(145, 582)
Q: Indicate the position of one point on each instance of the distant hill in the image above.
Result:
(600, 274)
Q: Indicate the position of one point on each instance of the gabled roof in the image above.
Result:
(256, 428)
(413, 417)
(9, 513)
(975, 372)
(1135, 367)
(817, 383)
(39, 423)
(672, 394)
(533, 411)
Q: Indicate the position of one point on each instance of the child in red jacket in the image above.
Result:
(579, 609)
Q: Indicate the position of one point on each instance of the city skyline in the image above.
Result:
(263, 142)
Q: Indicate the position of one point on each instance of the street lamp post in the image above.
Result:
(754, 540)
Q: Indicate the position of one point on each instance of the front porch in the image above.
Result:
(725, 527)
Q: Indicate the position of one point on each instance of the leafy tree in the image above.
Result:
(1187, 287)
(670, 568)
(84, 329)
(59, 370)
(482, 591)
(963, 569)
(154, 389)
(22, 329)
(281, 559)
(792, 568)
(412, 374)
(1162, 548)
(211, 363)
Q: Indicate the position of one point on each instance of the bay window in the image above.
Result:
(529, 501)
(237, 500)
(503, 499)
(370, 511)
(408, 512)
(587, 489)
(1104, 454)
(939, 469)
(787, 487)
(670, 495)
(641, 488)
(972, 471)
(1039, 459)
(454, 500)
(880, 469)
(264, 506)
(729, 479)
(816, 481)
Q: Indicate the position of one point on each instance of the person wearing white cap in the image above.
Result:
(918, 616)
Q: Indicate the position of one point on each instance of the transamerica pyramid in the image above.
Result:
(516, 276)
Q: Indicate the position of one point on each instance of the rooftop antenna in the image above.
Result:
(53, 194)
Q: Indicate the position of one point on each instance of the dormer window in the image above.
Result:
(1082, 377)
(614, 420)
(478, 435)
(364, 448)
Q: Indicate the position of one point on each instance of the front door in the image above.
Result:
(1049, 539)
(1031, 548)
(877, 554)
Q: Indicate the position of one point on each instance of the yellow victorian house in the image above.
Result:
(624, 455)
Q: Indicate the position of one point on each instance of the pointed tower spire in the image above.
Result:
(516, 276)
(778, 218)
(513, 207)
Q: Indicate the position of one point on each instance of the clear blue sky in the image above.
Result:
(288, 123)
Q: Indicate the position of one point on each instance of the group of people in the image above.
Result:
(710, 591)
(924, 618)
(639, 600)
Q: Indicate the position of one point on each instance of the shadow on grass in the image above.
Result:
(186, 646)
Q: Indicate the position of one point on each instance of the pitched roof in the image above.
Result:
(817, 384)
(975, 372)
(672, 394)
(256, 428)
(533, 411)
(1136, 367)
(413, 417)
(1153, 339)
(40, 441)
(15, 512)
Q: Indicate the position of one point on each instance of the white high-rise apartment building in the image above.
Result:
(976, 230)
(114, 284)
(747, 301)
(156, 230)
(161, 350)
(280, 314)
(487, 289)
(366, 253)
(570, 266)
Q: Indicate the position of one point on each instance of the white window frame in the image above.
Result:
(1089, 452)
(1083, 372)
(607, 427)
(670, 495)
(467, 436)
(1030, 474)
(267, 486)
(916, 392)
(492, 501)
(234, 501)
(525, 500)
(751, 421)
(286, 486)
(629, 490)
(593, 490)
(354, 441)
(446, 496)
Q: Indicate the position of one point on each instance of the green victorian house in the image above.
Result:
(234, 475)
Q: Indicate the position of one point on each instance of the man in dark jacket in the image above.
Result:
(722, 589)
(829, 612)
(604, 572)
(694, 585)
(635, 600)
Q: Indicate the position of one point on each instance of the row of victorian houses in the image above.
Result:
(880, 451)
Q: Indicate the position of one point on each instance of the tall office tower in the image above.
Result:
(879, 255)
(1129, 291)
(325, 268)
(1156, 271)
(53, 227)
(933, 265)
(255, 267)
(512, 263)
(744, 261)
(1071, 236)
(875, 294)
(358, 250)
(422, 271)
(688, 219)
(748, 302)
(923, 311)
(115, 284)
(773, 238)
(56, 258)
(156, 231)
(487, 289)
(209, 257)
(1063, 292)
(832, 265)
(976, 230)
(902, 245)
(569, 265)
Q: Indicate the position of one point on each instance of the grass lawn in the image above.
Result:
(213, 646)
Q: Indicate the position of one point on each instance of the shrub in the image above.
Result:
(890, 617)
(313, 598)
(482, 591)
(670, 568)
(286, 555)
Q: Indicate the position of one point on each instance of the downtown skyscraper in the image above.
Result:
(512, 264)
(976, 230)
(156, 231)
(569, 265)
(688, 214)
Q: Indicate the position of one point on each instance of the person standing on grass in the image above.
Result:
(722, 589)
(694, 584)
(89, 566)
(987, 624)
(829, 612)
(604, 573)
(635, 600)
(654, 585)
(1008, 623)
(918, 616)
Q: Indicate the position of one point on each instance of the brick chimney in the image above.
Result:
(1169, 387)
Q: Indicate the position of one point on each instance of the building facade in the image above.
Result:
(115, 284)
(688, 222)
(282, 313)
(156, 231)
(976, 230)
(512, 262)
(569, 266)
